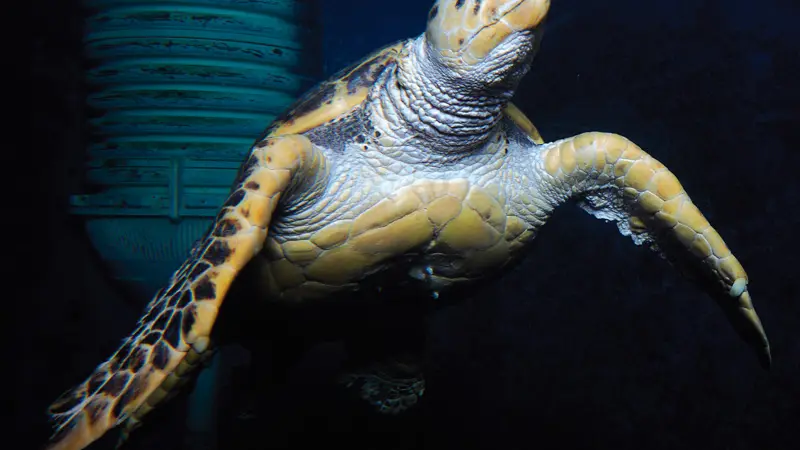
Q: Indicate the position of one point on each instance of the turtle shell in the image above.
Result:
(335, 97)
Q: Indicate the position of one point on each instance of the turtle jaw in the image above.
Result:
(507, 63)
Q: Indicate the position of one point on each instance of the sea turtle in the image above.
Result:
(404, 177)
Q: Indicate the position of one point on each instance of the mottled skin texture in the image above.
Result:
(407, 174)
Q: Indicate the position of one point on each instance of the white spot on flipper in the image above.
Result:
(738, 287)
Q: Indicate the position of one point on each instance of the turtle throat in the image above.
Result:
(424, 103)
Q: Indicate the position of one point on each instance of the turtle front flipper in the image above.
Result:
(174, 331)
(613, 179)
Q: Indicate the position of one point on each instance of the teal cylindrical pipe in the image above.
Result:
(179, 90)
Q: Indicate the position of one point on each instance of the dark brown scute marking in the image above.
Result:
(67, 401)
(246, 212)
(360, 139)
(461, 41)
(459, 4)
(151, 314)
(95, 408)
(217, 253)
(151, 338)
(121, 355)
(160, 355)
(116, 384)
(434, 12)
(347, 71)
(173, 288)
(198, 270)
(162, 320)
(174, 299)
(163, 301)
(127, 396)
(138, 383)
(96, 382)
(323, 95)
(137, 359)
(252, 185)
(252, 161)
(202, 246)
(265, 142)
(172, 335)
(205, 289)
(477, 7)
(188, 319)
(185, 299)
(220, 216)
(235, 198)
(366, 74)
(377, 134)
(118, 406)
(226, 227)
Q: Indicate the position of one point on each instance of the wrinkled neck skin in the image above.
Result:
(424, 105)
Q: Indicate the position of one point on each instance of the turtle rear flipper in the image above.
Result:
(173, 334)
(391, 385)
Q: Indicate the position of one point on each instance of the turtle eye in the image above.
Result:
(433, 12)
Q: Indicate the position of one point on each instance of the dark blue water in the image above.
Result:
(591, 342)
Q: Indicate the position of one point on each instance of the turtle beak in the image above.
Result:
(465, 32)
(500, 19)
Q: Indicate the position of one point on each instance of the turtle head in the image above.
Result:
(490, 42)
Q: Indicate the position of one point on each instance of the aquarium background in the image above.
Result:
(590, 342)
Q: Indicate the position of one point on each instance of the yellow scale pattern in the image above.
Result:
(448, 217)
(661, 202)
